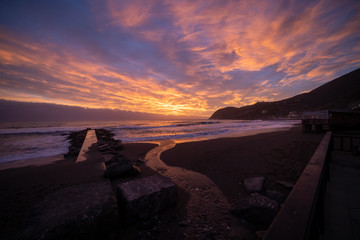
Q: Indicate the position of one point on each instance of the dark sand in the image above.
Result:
(277, 155)
(280, 155)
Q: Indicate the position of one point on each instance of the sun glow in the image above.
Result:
(175, 58)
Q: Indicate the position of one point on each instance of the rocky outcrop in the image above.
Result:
(142, 198)
(340, 93)
(86, 211)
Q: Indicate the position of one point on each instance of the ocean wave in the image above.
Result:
(174, 136)
(43, 140)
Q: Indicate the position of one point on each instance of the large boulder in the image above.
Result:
(255, 208)
(86, 211)
(142, 198)
(121, 167)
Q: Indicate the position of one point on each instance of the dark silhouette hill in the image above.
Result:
(13, 111)
(340, 93)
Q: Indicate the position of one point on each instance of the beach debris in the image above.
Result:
(286, 184)
(255, 208)
(254, 184)
(142, 198)
(120, 167)
(86, 211)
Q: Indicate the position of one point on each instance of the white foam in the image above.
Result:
(23, 141)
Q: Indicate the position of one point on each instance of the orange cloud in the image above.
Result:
(183, 57)
(130, 13)
(77, 81)
(243, 35)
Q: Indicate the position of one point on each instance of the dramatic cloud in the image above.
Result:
(173, 57)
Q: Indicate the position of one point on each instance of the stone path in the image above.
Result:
(208, 209)
(90, 139)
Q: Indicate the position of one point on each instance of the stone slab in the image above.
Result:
(90, 139)
(85, 211)
(144, 197)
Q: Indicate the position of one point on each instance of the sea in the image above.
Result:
(28, 140)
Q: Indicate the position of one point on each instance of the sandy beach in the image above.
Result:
(280, 155)
(227, 162)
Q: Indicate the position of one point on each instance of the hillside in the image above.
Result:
(340, 93)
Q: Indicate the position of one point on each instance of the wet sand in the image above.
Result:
(221, 164)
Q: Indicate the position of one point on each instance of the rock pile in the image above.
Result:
(76, 140)
(259, 207)
(117, 166)
(106, 142)
(90, 211)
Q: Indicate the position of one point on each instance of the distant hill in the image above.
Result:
(340, 93)
(11, 111)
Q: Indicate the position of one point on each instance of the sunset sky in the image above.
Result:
(185, 58)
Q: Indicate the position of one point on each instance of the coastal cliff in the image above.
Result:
(340, 93)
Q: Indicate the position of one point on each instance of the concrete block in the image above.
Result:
(86, 211)
(142, 198)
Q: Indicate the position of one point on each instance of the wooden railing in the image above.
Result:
(302, 215)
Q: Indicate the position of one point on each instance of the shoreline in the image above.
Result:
(39, 161)
(235, 135)
(23, 187)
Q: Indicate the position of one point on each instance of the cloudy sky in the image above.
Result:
(173, 57)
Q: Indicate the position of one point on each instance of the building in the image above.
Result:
(331, 120)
